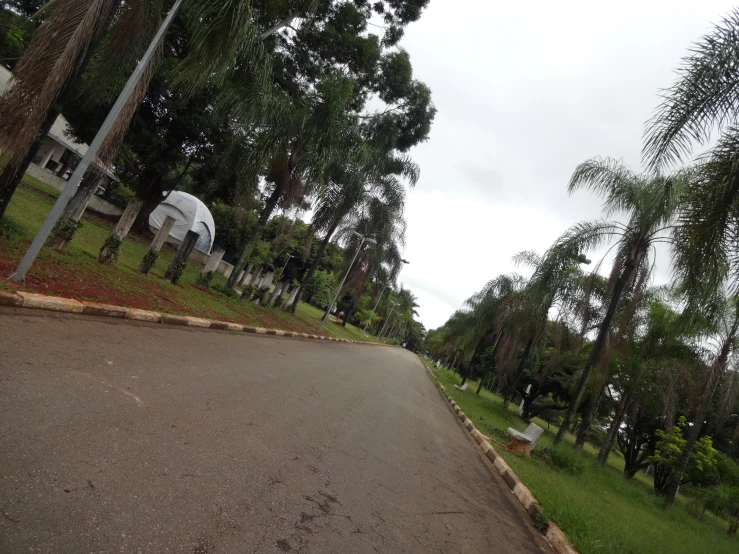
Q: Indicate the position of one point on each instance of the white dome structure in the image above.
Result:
(189, 214)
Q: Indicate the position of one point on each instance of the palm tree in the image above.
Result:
(490, 307)
(357, 185)
(301, 146)
(650, 204)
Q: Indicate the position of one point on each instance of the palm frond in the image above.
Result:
(705, 96)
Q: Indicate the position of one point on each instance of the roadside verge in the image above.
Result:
(35, 301)
(549, 529)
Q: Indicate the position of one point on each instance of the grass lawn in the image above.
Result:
(76, 273)
(599, 511)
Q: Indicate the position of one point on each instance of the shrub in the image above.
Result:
(231, 293)
(563, 458)
(120, 194)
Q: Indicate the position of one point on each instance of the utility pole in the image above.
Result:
(387, 319)
(338, 291)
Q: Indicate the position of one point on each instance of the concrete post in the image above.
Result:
(175, 269)
(246, 278)
(156, 245)
(292, 297)
(210, 268)
(213, 260)
(267, 279)
(276, 293)
(109, 252)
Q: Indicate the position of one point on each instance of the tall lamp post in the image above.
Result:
(364, 330)
(338, 291)
(284, 266)
(387, 319)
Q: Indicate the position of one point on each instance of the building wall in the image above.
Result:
(49, 150)
(96, 204)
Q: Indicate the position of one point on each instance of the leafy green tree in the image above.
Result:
(702, 460)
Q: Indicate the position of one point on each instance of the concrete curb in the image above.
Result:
(67, 305)
(553, 534)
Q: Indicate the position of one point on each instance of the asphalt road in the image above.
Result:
(124, 437)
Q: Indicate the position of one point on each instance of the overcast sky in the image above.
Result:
(525, 91)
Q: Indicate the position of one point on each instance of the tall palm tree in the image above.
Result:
(650, 205)
(300, 147)
(353, 189)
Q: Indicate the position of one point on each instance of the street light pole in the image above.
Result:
(387, 319)
(19, 276)
(364, 331)
(284, 266)
(338, 291)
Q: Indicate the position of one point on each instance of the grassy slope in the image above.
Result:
(600, 511)
(76, 273)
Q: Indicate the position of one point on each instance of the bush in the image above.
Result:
(563, 458)
(231, 293)
(120, 194)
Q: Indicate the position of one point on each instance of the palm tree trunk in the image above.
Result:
(519, 370)
(13, 172)
(269, 207)
(700, 414)
(64, 230)
(597, 349)
(319, 254)
(109, 251)
(607, 446)
(587, 422)
(89, 29)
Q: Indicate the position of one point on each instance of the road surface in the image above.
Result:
(125, 437)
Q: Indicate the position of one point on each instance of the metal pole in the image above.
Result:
(386, 320)
(19, 276)
(325, 316)
(364, 331)
(284, 266)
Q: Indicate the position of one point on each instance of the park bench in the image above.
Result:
(524, 443)
(462, 388)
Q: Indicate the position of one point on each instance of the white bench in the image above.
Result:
(524, 443)
(462, 388)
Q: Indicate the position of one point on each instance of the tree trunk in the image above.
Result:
(597, 349)
(587, 421)
(607, 446)
(156, 245)
(324, 243)
(211, 266)
(67, 225)
(175, 269)
(269, 207)
(276, 292)
(154, 196)
(348, 313)
(700, 415)
(109, 251)
(292, 299)
(13, 172)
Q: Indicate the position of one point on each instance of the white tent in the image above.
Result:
(189, 214)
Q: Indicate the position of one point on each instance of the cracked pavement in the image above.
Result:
(129, 437)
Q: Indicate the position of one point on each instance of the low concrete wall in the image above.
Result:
(96, 204)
